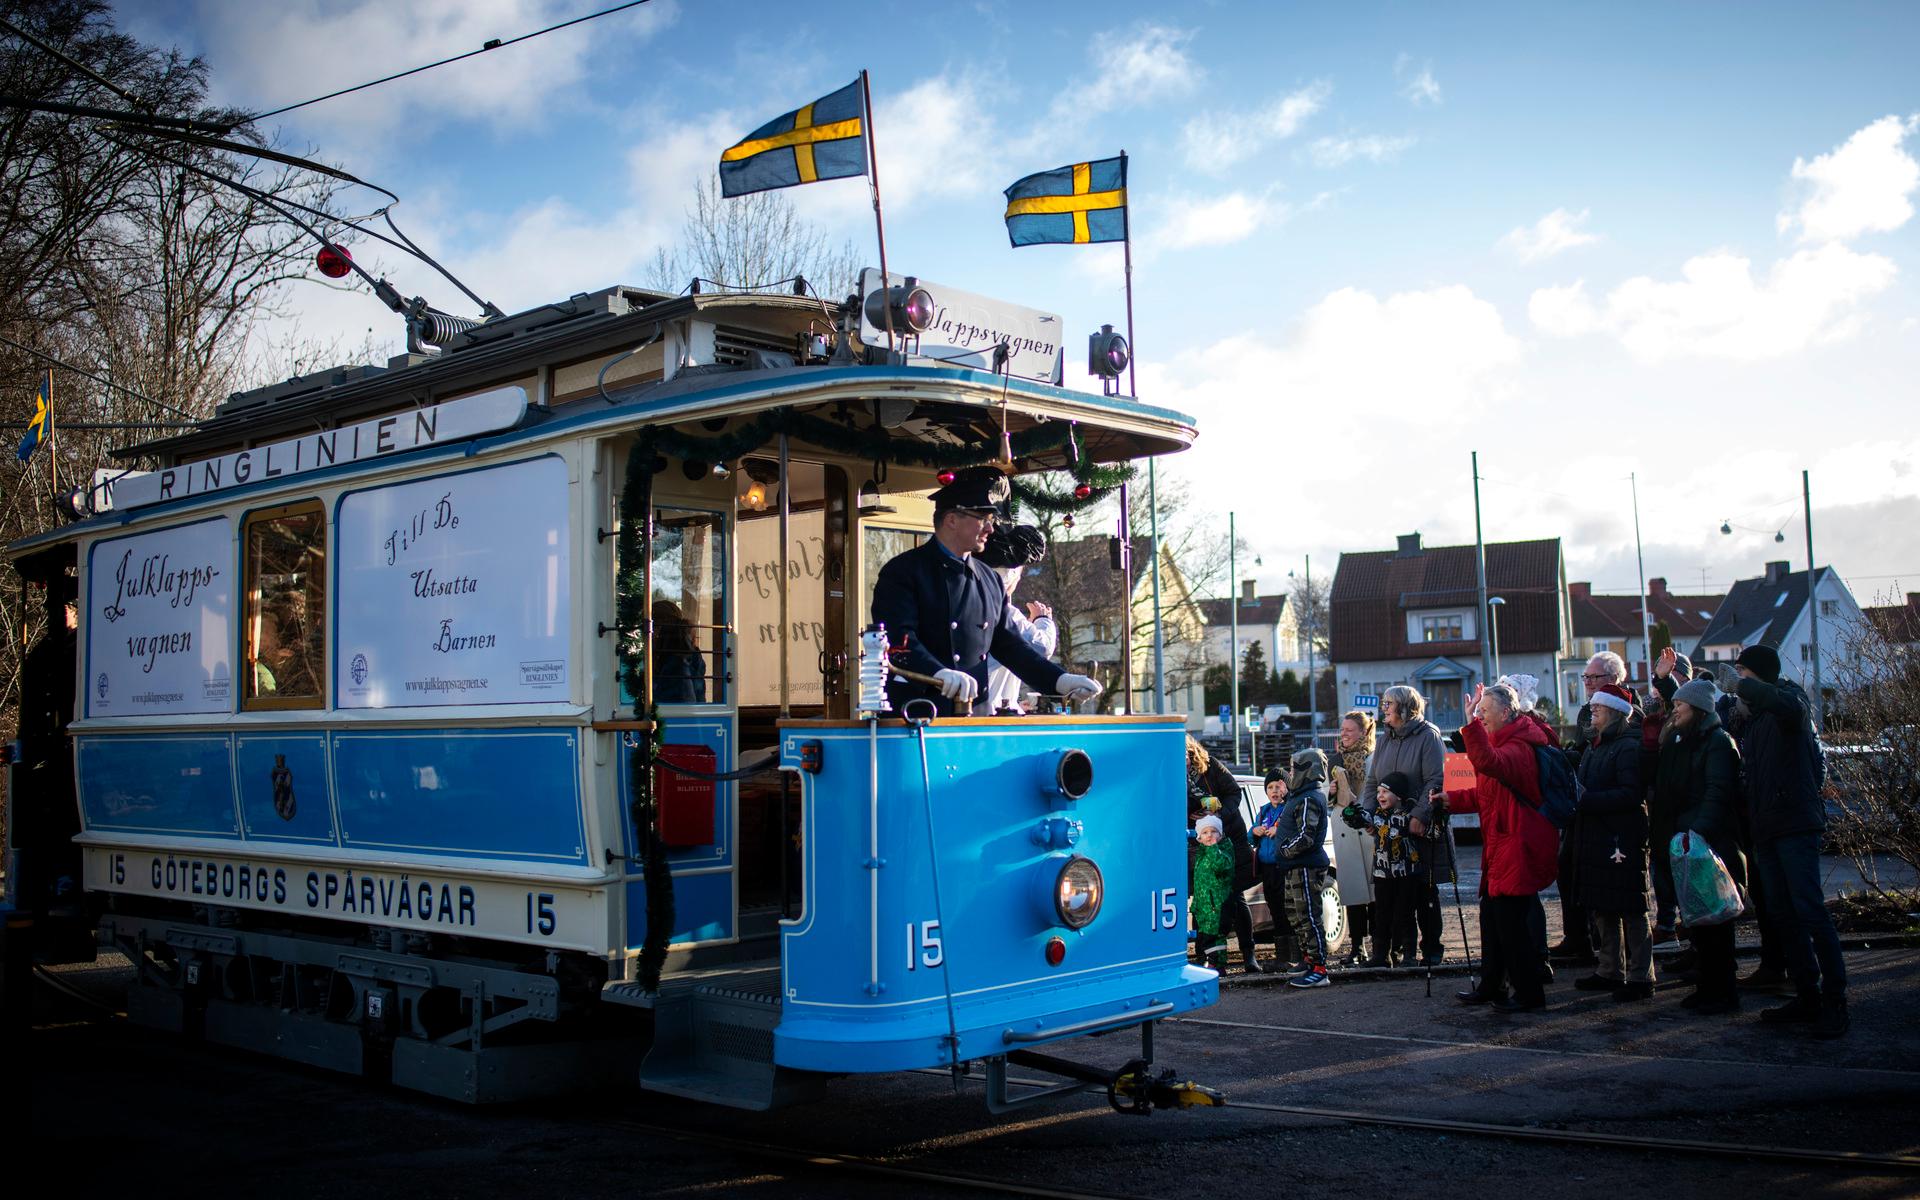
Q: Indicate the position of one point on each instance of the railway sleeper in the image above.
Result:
(470, 1031)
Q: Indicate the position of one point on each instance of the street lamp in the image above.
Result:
(1813, 599)
(1494, 605)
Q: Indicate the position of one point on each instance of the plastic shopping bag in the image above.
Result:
(1702, 883)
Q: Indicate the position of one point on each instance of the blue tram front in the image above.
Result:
(351, 739)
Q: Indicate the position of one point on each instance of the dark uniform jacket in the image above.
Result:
(952, 613)
(1611, 820)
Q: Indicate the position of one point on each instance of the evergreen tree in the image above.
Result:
(1256, 678)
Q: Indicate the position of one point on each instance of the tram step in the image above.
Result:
(713, 1041)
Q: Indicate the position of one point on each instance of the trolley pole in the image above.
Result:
(1480, 569)
(1813, 606)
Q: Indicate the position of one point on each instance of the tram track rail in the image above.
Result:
(1854, 1162)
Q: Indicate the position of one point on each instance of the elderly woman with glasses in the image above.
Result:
(1412, 745)
(1519, 853)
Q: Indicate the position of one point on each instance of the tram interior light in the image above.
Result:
(764, 484)
(1077, 893)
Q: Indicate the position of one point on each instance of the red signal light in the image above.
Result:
(1056, 951)
(334, 261)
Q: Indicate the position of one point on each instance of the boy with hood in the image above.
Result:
(1300, 836)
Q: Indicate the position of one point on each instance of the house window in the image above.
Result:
(286, 615)
(1806, 652)
(1829, 608)
(1449, 628)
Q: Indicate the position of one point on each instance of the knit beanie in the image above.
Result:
(1682, 667)
(1275, 775)
(1398, 783)
(1763, 661)
(1218, 826)
(1698, 692)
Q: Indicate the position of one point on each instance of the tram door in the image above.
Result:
(818, 677)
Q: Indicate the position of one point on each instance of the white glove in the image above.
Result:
(957, 685)
(1078, 687)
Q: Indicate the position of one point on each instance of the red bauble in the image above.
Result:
(945, 478)
(333, 261)
(1082, 490)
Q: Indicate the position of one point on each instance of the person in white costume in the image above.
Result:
(1010, 550)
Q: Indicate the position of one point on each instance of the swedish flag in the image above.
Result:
(1086, 202)
(825, 140)
(41, 427)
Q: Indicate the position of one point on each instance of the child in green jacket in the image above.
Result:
(1212, 882)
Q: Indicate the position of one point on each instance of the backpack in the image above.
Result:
(1556, 787)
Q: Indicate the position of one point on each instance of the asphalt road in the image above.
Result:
(116, 1108)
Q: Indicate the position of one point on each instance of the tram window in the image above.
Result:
(689, 607)
(882, 546)
(286, 617)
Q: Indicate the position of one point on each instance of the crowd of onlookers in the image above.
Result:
(1663, 816)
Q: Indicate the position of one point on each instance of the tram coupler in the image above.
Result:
(1134, 1089)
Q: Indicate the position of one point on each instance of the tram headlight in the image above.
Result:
(1078, 892)
(1072, 775)
(912, 307)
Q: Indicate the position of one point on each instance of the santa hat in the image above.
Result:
(1613, 696)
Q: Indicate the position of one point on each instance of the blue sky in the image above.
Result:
(1671, 240)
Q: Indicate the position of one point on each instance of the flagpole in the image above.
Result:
(1126, 517)
(1153, 490)
(873, 183)
(53, 447)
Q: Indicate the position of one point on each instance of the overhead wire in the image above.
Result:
(495, 44)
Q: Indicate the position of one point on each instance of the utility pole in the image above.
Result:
(1313, 704)
(1480, 568)
(1233, 630)
(1646, 618)
(1813, 607)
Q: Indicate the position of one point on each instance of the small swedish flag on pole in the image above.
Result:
(40, 428)
(823, 140)
(1086, 202)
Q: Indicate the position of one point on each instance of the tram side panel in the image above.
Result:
(930, 906)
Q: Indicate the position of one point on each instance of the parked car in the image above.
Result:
(1333, 915)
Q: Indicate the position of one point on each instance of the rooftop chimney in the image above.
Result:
(1409, 545)
(1580, 591)
(1777, 571)
(1246, 592)
(1657, 587)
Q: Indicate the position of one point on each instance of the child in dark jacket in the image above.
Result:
(1302, 855)
(1399, 871)
(1266, 851)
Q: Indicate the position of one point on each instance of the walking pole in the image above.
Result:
(1453, 855)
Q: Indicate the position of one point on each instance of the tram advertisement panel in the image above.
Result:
(453, 590)
(159, 621)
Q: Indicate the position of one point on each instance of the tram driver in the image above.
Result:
(952, 611)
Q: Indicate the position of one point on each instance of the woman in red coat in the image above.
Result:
(1520, 851)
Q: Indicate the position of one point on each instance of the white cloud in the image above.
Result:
(268, 55)
(1354, 352)
(1217, 221)
(1132, 67)
(1217, 141)
(1719, 308)
(1339, 151)
(1860, 187)
(1423, 88)
(1552, 234)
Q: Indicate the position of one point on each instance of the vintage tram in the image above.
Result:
(493, 722)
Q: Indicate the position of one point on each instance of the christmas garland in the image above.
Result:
(1091, 485)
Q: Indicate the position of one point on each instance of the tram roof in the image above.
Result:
(1113, 427)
